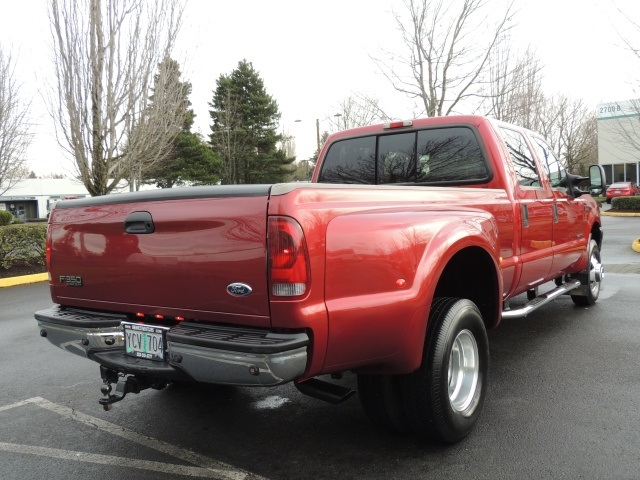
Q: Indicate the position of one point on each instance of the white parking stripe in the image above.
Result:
(213, 468)
(113, 461)
(14, 405)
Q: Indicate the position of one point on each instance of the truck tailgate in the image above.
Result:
(158, 255)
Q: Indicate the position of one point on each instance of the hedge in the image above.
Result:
(22, 245)
(625, 203)
(5, 218)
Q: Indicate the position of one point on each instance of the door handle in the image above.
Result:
(139, 223)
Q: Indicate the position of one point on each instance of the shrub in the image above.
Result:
(5, 218)
(22, 245)
(625, 203)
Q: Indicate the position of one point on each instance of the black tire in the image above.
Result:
(590, 277)
(434, 411)
(381, 399)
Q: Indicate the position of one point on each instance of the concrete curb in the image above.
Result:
(609, 213)
(23, 280)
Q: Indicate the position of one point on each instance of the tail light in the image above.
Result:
(48, 244)
(288, 260)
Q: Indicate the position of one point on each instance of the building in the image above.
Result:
(619, 140)
(33, 198)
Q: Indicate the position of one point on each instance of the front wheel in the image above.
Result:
(444, 397)
(591, 278)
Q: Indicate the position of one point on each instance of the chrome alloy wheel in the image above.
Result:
(464, 368)
(596, 273)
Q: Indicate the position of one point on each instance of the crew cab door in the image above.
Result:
(536, 205)
(569, 241)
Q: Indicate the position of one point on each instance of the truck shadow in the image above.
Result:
(279, 433)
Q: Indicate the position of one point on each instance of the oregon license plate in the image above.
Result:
(144, 341)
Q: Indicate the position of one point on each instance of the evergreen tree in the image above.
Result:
(245, 119)
(191, 161)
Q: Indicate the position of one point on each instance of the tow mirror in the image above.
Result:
(571, 182)
(597, 179)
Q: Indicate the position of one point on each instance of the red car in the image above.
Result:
(621, 189)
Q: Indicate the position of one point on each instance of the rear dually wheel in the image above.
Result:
(444, 397)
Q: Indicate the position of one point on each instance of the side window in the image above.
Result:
(396, 158)
(554, 168)
(350, 161)
(450, 154)
(522, 158)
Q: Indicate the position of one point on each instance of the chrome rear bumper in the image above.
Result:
(205, 353)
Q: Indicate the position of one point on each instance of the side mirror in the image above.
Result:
(597, 179)
(571, 182)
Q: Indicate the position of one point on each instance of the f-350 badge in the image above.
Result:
(71, 280)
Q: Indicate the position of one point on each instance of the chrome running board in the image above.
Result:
(541, 300)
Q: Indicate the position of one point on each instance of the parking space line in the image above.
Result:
(213, 468)
(15, 405)
(169, 468)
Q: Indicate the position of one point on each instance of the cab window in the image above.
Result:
(350, 161)
(396, 158)
(550, 162)
(525, 165)
(450, 156)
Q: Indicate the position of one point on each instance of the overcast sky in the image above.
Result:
(311, 55)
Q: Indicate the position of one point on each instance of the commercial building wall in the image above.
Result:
(33, 198)
(619, 140)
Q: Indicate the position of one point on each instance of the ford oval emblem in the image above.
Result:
(239, 289)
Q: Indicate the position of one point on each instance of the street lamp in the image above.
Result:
(318, 129)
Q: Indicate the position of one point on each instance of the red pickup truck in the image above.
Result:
(410, 241)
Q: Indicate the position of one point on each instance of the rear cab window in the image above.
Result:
(434, 156)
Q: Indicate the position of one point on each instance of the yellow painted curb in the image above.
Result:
(636, 245)
(23, 280)
(609, 213)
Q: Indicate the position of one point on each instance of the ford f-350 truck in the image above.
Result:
(410, 241)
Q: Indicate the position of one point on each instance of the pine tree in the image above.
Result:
(191, 161)
(245, 119)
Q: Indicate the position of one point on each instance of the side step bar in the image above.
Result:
(540, 300)
(329, 392)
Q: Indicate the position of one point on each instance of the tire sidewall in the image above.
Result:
(451, 424)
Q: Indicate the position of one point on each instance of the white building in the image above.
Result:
(619, 140)
(33, 198)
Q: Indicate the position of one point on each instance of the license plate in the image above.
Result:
(144, 341)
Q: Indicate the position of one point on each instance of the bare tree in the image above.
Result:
(515, 92)
(449, 44)
(15, 128)
(577, 135)
(232, 141)
(105, 56)
(356, 111)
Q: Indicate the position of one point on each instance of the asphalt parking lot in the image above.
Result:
(562, 402)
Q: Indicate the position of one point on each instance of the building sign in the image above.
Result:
(628, 108)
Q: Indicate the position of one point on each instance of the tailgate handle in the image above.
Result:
(139, 223)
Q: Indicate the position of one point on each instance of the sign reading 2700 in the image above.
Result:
(627, 108)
